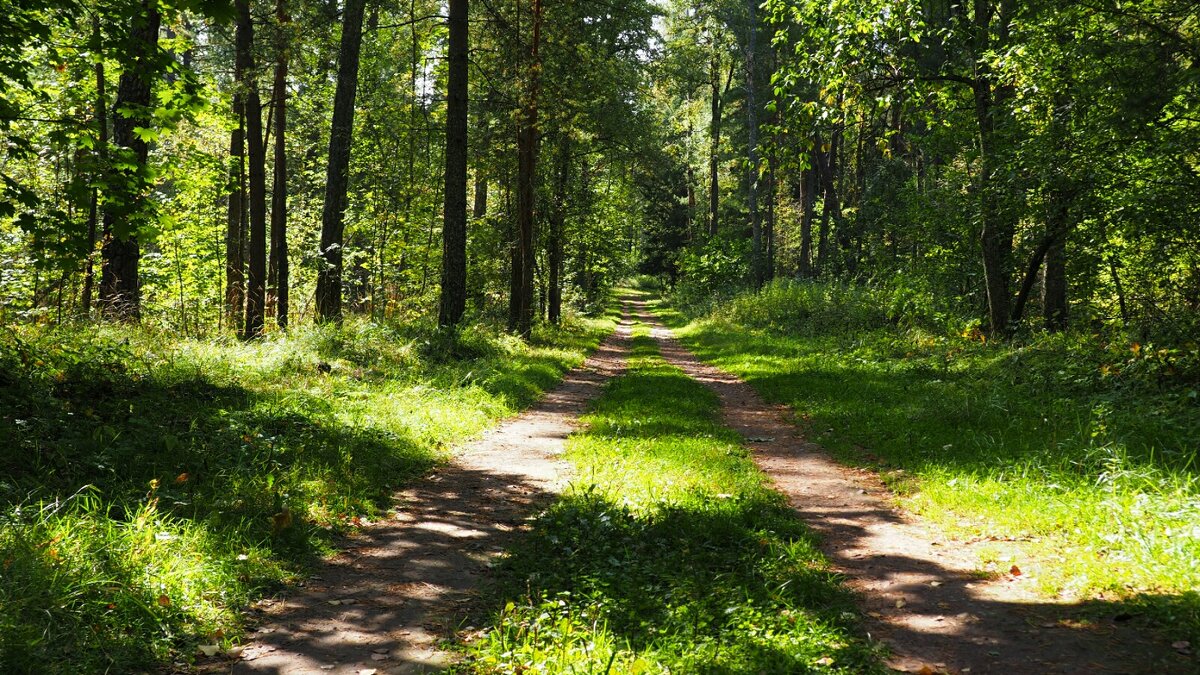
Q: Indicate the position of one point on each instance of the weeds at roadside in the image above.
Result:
(151, 488)
(1075, 452)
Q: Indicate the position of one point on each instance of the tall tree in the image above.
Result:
(454, 228)
(235, 223)
(997, 227)
(256, 159)
(527, 142)
(329, 276)
(758, 262)
(101, 114)
(125, 210)
(554, 242)
(278, 272)
(717, 93)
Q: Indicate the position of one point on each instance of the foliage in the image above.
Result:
(712, 274)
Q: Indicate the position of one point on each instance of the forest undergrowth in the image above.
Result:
(152, 487)
(1071, 456)
(669, 553)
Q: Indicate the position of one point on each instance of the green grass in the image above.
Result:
(143, 479)
(1081, 454)
(668, 554)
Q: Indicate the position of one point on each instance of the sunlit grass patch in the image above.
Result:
(150, 487)
(84, 588)
(1055, 447)
(668, 554)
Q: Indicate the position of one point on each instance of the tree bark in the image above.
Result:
(527, 140)
(757, 256)
(256, 254)
(557, 222)
(454, 228)
(235, 264)
(806, 190)
(279, 271)
(1062, 196)
(480, 201)
(1054, 274)
(714, 134)
(996, 233)
(831, 214)
(769, 223)
(1035, 262)
(329, 276)
(120, 290)
(101, 111)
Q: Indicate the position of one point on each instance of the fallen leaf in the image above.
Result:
(209, 650)
(1015, 571)
(367, 671)
(380, 657)
(234, 652)
(900, 603)
(824, 661)
(1182, 646)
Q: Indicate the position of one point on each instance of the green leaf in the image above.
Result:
(146, 135)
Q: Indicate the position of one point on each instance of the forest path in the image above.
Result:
(382, 604)
(921, 591)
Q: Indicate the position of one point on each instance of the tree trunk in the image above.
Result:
(235, 264)
(691, 199)
(769, 223)
(1054, 274)
(772, 184)
(256, 264)
(454, 229)
(1114, 271)
(995, 240)
(806, 193)
(527, 140)
(279, 271)
(757, 255)
(557, 221)
(329, 276)
(1062, 196)
(479, 204)
(996, 233)
(834, 195)
(831, 213)
(120, 291)
(516, 274)
(1035, 262)
(714, 131)
(102, 152)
